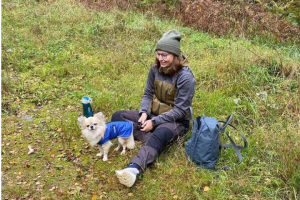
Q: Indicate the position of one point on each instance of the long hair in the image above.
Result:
(176, 65)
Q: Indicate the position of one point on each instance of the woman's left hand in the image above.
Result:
(147, 126)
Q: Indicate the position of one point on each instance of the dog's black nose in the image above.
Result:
(92, 127)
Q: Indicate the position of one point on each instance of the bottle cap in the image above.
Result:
(86, 100)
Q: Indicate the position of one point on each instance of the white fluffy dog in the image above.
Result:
(96, 131)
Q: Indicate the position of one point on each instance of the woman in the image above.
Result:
(165, 109)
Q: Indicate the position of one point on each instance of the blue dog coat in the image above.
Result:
(116, 129)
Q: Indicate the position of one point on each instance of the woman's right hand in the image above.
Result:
(143, 118)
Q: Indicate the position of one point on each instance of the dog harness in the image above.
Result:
(116, 129)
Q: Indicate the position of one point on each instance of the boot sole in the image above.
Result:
(126, 178)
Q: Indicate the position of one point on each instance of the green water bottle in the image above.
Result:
(87, 108)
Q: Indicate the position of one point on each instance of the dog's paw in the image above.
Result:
(123, 152)
(105, 158)
(117, 149)
(99, 154)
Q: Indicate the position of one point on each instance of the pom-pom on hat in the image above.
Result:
(170, 42)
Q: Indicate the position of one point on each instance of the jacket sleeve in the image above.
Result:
(183, 100)
(148, 93)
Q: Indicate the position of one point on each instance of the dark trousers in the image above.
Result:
(155, 141)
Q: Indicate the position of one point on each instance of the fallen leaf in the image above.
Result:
(172, 191)
(206, 189)
(241, 183)
(45, 198)
(130, 194)
(31, 150)
(56, 191)
(94, 197)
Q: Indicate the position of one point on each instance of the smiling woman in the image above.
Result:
(165, 109)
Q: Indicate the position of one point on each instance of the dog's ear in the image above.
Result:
(81, 119)
(100, 116)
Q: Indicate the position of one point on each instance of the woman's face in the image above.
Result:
(165, 59)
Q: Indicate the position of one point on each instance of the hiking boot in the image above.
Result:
(127, 176)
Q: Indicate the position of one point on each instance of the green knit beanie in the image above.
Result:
(170, 42)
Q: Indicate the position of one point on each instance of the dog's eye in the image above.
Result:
(87, 125)
(95, 124)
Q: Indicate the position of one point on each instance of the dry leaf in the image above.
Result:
(52, 155)
(138, 186)
(206, 189)
(45, 198)
(94, 197)
(31, 150)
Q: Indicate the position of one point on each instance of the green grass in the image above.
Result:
(55, 52)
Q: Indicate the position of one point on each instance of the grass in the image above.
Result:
(55, 52)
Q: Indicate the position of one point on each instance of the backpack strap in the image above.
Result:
(243, 136)
(229, 118)
(233, 145)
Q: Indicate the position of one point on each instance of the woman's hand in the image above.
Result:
(143, 118)
(147, 126)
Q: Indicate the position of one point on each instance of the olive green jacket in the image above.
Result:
(168, 98)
